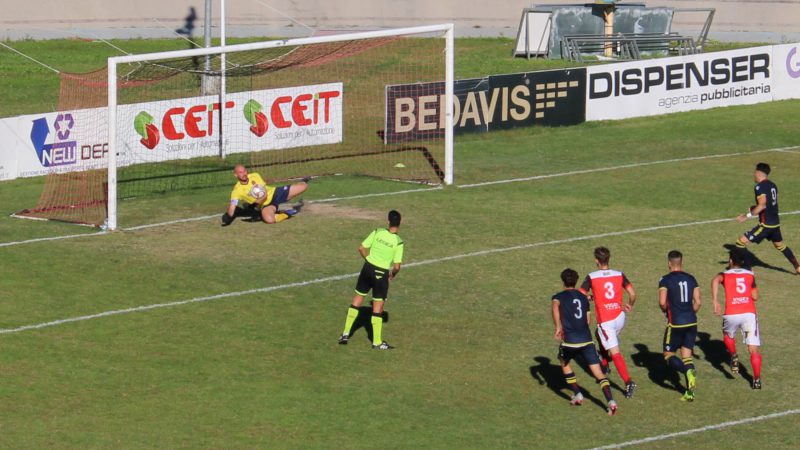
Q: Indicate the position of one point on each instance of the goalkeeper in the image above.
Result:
(252, 196)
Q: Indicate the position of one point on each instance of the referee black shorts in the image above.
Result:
(375, 279)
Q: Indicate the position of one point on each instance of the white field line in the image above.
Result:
(51, 238)
(701, 429)
(788, 150)
(626, 166)
(486, 183)
(353, 275)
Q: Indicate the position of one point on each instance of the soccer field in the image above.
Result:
(189, 335)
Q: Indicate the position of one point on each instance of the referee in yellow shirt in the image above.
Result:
(383, 253)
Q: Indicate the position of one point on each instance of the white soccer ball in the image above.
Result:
(258, 191)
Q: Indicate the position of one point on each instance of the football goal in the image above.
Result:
(366, 104)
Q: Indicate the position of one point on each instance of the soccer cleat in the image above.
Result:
(735, 363)
(577, 399)
(612, 407)
(757, 383)
(344, 339)
(630, 386)
(290, 212)
(691, 380)
(306, 180)
(382, 346)
(688, 396)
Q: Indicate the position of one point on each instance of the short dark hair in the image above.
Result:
(738, 257)
(569, 277)
(394, 218)
(675, 256)
(602, 254)
(763, 167)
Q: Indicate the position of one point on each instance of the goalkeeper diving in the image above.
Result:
(252, 197)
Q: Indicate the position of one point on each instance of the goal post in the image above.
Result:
(274, 87)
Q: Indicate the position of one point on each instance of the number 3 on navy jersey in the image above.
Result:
(577, 303)
(609, 290)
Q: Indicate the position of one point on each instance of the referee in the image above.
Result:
(382, 251)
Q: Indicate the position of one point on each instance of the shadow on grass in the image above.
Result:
(364, 320)
(551, 375)
(752, 260)
(714, 352)
(657, 369)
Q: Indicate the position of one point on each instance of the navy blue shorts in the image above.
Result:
(588, 352)
(281, 196)
(760, 232)
(677, 337)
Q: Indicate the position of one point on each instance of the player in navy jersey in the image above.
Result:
(679, 298)
(766, 208)
(571, 310)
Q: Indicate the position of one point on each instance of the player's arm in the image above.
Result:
(662, 298)
(395, 271)
(754, 293)
(559, 334)
(398, 259)
(755, 210)
(696, 299)
(363, 251)
(230, 213)
(586, 286)
(631, 294)
(715, 293)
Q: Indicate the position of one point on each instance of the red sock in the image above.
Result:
(755, 360)
(619, 363)
(730, 344)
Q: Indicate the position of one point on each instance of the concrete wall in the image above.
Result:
(772, 20)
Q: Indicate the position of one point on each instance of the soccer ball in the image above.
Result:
(258, 191)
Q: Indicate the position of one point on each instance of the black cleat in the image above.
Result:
(306, 180)
(735, 363)
(757, 383)
(343, 339)
(630, 386)
(382, 346)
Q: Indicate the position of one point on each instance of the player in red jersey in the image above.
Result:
(607, 286)
(741, 294)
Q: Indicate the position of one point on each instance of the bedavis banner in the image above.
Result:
(684, 83)
(553, 97)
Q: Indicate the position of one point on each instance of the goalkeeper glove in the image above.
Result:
(227, 219)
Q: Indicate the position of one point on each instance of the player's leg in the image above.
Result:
(379, 293)
(729, 328)
(363, 286)
(564, 356)
(270, 215)
(604, 356)
(687, 338)
(297, 189)
(777, 241)
(609, 332)
(753, 342)
(591, 359)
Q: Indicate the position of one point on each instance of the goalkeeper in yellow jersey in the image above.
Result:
(252, 195)
(382, 251)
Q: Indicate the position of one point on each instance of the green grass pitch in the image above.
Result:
(475, 363)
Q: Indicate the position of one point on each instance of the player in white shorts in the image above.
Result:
(741, 294)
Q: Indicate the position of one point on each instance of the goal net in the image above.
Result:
(355, 105)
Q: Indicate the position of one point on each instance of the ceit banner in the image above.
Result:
(685, 83)
(786, 64)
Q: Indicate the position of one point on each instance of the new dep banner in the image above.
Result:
(683, 83)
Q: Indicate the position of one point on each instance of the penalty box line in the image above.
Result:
(408, 191)
(700, 430)
(354, 275)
